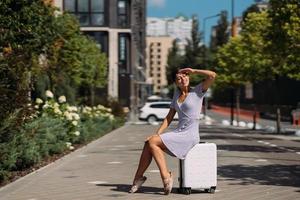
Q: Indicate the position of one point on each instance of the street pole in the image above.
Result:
(232, 90)
(204, 56)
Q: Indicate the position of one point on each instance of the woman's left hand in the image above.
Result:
(186, 70)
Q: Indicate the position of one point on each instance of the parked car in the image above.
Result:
(154, 111)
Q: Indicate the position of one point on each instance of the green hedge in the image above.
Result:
(45, 136)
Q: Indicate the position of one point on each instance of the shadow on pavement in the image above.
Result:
(253, 148)
(125, 188)
(231, 137)
(279, 175)
(144, 189)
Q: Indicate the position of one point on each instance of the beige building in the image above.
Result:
(156, 61)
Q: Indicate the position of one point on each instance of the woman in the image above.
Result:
(187, 102)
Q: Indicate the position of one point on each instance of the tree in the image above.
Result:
(75, 60)
(174, 62)
(243, 59)
(285, 36)
(221, 35)
(23, 37)
(193, 50)
(252, 9)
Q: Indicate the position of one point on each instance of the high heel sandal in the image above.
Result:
(168, 184)
(137, 184)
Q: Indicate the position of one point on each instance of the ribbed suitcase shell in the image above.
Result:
(199, 169)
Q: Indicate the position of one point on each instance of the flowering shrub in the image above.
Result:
(72, 116)
(53, 127)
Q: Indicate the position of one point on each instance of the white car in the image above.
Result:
(154, 111)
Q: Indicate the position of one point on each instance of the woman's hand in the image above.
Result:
(186, 70)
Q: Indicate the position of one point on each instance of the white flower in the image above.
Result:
(71, 148)
(56, 105)
(88, 108)
(57, 111)
(68, 115)
(29, 104)
(62, 99)
(38, 101)
(72, 108)
(45, 106)
(100, 106)
(76, 116)
(77, 133)
(36, 106)
(111, 117)
(75, 123)
(49, 94)
(69, 144)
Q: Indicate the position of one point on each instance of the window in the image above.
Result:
(158, 62)
(124, 52)
(123, 13)
(158, 50)
(158, 56)
(88, 12)
(101, 37)
(158, 44)
(165, 105)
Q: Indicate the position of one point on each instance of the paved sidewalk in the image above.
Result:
(247, 169)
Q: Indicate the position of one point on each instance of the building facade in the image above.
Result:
(118, 26)
(178, 28)
(157, 57)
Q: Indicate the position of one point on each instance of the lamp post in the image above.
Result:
(204, 21)
(232, 90)
(204, 54)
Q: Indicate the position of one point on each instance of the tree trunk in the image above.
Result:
(278, 120)
(92, 92)
(232, 107)
(278, 115)
(238, 91)
(254, 118)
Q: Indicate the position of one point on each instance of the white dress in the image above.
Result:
(186, 135)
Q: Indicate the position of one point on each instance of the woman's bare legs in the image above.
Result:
(157, 148)
(154, 147)
(145, 161)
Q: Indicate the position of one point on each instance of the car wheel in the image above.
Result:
(151, 119)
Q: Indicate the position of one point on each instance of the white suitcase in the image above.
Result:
(199, 169)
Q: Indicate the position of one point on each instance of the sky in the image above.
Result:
(202, 8)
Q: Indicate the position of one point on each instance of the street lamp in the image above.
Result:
(204, 21)
(204, 54)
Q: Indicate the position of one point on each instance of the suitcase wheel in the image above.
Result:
(210, 190)
(185, 190)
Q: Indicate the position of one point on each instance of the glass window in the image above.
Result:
(165, 105)
(83, 19)
(123, 13)
(97, 5)
(70, 5)
(122, 7)
(122, 48)
(97, 19)
(83, 5)
(88, 12)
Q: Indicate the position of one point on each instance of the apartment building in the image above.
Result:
(178, 28)
(119, 28)
(157, 57)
